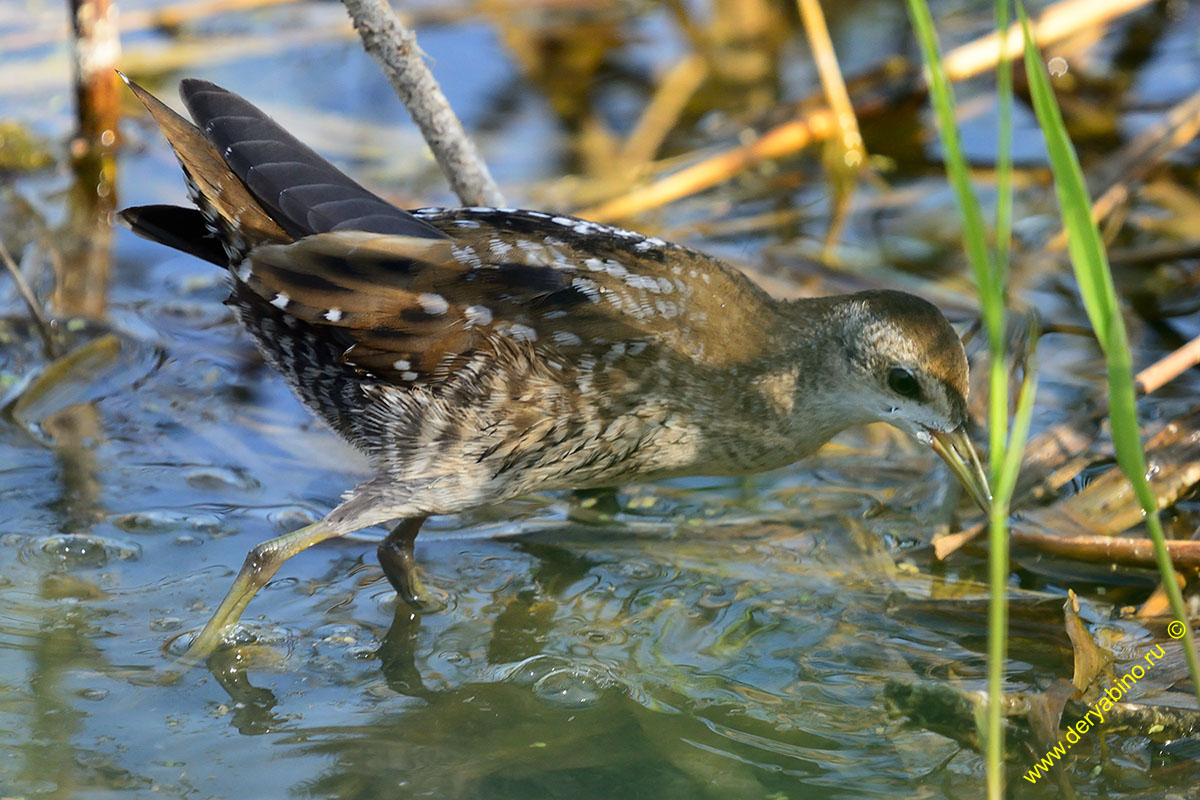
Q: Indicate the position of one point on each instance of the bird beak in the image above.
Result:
(956, 450)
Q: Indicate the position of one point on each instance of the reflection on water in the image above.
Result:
(696, 638)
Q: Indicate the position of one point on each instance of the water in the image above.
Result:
(717, 638)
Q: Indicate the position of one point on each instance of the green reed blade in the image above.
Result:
(1092, 273)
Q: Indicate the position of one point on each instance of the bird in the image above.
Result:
(477, 354)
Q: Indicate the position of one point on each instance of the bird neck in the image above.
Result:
(813, 352)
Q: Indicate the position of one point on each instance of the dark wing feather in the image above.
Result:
(300, 190)
(228, 208)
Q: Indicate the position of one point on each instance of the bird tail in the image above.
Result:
(253, 183)
(226, 207)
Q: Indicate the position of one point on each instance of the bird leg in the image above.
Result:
(360, 510)
(396, 557)
(260, 566)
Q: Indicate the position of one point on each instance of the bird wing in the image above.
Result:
(411, 309)
(410, 296)
(299, 189)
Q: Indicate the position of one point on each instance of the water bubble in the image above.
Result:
(77, 551)
(569, 688)
(251, 635)
(1057, 67)
(164, 520)
(218, 478)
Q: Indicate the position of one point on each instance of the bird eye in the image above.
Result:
(902, 382)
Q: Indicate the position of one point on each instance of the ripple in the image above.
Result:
(643, 569)
(345, 642)
(604, 636)
(456, 658)
(244, 634)
(559, 682)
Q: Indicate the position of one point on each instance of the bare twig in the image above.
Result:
(395, 47)
(35, 308)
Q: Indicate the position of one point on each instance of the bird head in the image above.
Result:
(905, 365)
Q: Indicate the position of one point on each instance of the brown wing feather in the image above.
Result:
(410, 308)
(616, 286)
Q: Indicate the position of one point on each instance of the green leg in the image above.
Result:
(396, 558)
(261, 564)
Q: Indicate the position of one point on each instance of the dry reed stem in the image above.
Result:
(1168, 368)
(1158, 604)
(779, 141)
(832, 82)
(676, 87)
(175, 15)
(1108, 505)
(1124, 550)
(81, 282)
(1054, 24)
(182, 13)
(1177, 128)
(97, 47)
(848, 154)
(1105, 549)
